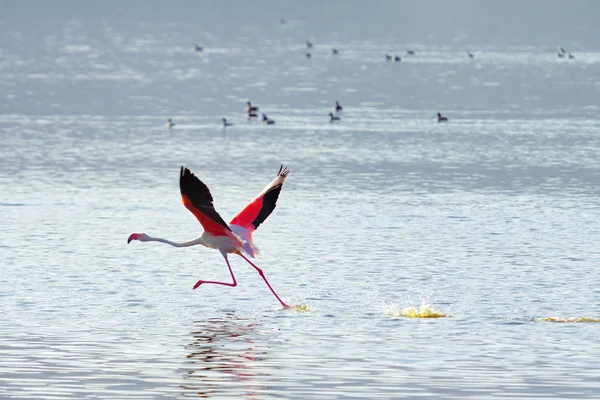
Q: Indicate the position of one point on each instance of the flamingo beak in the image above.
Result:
(133, 236)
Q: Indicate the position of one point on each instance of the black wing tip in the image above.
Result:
(283, 171)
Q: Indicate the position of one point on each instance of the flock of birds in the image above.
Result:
(252, 111)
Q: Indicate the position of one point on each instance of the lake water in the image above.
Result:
(490, 220)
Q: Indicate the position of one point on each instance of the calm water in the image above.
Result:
(491, 219)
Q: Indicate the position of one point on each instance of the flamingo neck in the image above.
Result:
(176, 244)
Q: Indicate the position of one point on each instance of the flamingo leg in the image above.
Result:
(261, 273)
(200, 282)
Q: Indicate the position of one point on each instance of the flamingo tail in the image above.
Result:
(245, 235)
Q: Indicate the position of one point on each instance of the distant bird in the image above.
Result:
(333, 117)
(410, 52)
(561, 55)
(571, 56)
(309, 44)
(282, 21)
(397, 58)
(338, 106)
(235, 238)
(251, 108)
(470, 54)
(308, 55)
(441, 119)
(562, 50)
(267, 121)
(170, 123)
(388, 57)
(225, 123)
(252, 114)
(334, 51)
(198, 48)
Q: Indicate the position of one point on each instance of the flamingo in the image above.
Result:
(235, 238)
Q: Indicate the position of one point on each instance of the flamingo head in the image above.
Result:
(142, 237)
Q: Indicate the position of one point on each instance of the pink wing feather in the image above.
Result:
(257, 211)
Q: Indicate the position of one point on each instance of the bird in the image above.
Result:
(170, 123)
(252, 114)
(225, 123)
(410, 52)
(441, 119)
(308, 55)
(571, 56)
(251, 108)
(232, 238)
(561, 55)
(388, 57)
(334, 51)
(333, 117)
(282, 21)
(309, 44)
(198, 48)
(267, 121)
(338, 107)
(397, 58)
(470, 54)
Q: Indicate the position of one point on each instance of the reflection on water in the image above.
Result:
(222, 359)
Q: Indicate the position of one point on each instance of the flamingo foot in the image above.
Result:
(197, 284)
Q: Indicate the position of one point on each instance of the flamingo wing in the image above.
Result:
(197, 198)
(263, 205)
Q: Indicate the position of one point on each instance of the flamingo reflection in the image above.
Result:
(222, 359)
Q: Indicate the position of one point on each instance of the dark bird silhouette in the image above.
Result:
(267, 121)
(441, 119)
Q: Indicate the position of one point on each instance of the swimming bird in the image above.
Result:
(561, 55)
(410, 52)
(198, 48)
(334, 51)
(308, 55)
(267, 121)
(225, 123)
(235, 238)
(388, 57)
(441, 119)
(397, 58)
(252, 114)
(333, 117)
(251, 108)
(338, 106)
(309, 44)
(170, 123)
(571, 56)
(470, 54)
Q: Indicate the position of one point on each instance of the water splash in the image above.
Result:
(424, 311)
(299, 308)
(569, 319)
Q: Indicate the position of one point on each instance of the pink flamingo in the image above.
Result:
(235, 238)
